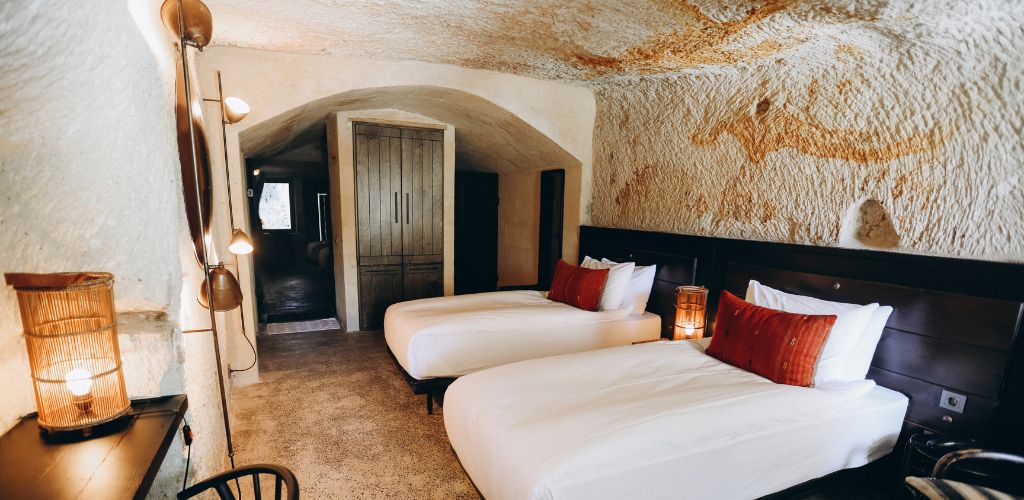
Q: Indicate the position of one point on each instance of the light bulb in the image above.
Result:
(240, 243)
(79, 381)
(256, 171)
(688, 330)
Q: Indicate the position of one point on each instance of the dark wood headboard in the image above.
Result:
(956, 323)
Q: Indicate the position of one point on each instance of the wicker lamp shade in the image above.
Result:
(71, 335)
(691, 312)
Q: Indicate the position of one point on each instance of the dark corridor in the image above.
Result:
(290, 210)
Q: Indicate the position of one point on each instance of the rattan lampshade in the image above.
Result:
(691, 307)
(71, 335)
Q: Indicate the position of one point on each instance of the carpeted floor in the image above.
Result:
(335, 410)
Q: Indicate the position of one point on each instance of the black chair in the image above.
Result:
(980, 474)
(221, 482)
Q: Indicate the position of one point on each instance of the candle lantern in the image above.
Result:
(691, 304)
(71, 335)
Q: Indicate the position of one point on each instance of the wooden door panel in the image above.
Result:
(373, 195)
(437, 177)
(379, 287)
(405, 196)
(362, 192)
(422, 280)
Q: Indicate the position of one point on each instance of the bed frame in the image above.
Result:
(433, 388)
(957, 324)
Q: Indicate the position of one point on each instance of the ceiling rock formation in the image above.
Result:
(761, 119)
(489, 137)
(591, 39)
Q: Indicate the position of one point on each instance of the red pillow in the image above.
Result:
(782, 347)
(577, 286)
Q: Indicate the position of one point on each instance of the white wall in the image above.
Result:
(90, 176)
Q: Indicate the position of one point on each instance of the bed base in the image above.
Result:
(433, 388)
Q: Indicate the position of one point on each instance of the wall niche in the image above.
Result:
(867, 224)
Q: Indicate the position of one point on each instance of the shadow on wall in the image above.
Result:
(868, 225)
(488, 135)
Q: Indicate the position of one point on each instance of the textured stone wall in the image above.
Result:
(786, 146)
(89, 180)
(518, 227)
(81, 96)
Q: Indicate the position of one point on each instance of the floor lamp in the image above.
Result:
(220, 291)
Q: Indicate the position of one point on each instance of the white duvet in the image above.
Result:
(457, 335)
(660, 420)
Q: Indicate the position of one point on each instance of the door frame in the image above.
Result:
(341, 172)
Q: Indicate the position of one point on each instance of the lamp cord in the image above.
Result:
(231, 209)
(252, 347)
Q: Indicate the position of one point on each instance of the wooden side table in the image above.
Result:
(120, 461)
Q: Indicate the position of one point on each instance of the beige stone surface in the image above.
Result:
(518, 227)
(756, 119)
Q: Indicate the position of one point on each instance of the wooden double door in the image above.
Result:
(399, 174)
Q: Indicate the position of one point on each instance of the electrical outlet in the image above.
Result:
(952, 401)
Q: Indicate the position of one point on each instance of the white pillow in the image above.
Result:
(851, 322)
(639, 290)
(860, 361)
(616, 285)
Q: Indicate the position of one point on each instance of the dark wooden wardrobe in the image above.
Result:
(400, 212)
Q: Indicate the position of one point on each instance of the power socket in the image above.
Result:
(952, 401)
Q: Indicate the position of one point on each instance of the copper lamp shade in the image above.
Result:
(198, 21)
(71, 335)
(227, 295)
(691, 312)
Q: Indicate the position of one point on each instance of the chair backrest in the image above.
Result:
(284, 483)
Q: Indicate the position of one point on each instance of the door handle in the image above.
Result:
(396, 207)
(407, 208)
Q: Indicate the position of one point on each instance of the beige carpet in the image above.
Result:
(335, 410)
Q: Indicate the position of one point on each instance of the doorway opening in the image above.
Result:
(289, 206)
(552, 211)
(476, 232)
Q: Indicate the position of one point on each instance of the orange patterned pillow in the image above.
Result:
(579, 287)
(782, 347)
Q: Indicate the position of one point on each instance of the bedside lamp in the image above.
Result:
(691, 308)
(71, 336)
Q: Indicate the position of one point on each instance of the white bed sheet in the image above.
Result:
(457, 335)
(658, 420)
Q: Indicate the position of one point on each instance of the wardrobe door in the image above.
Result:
(379, 235)
(423, 197)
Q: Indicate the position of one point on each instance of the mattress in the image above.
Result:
(454, 336)
(659, 420)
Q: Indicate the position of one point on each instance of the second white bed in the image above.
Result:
(454, 336)
(660, 420)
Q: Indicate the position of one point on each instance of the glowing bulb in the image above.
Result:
(235, 109)
(256, 172)
(79, 382)
(240, 243)
(688, 330)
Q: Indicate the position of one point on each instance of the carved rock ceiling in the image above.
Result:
(591, 40)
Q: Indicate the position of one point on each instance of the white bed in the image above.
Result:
(454, 336)
(659, 420)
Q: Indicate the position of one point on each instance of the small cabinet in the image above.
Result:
(399, 178)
